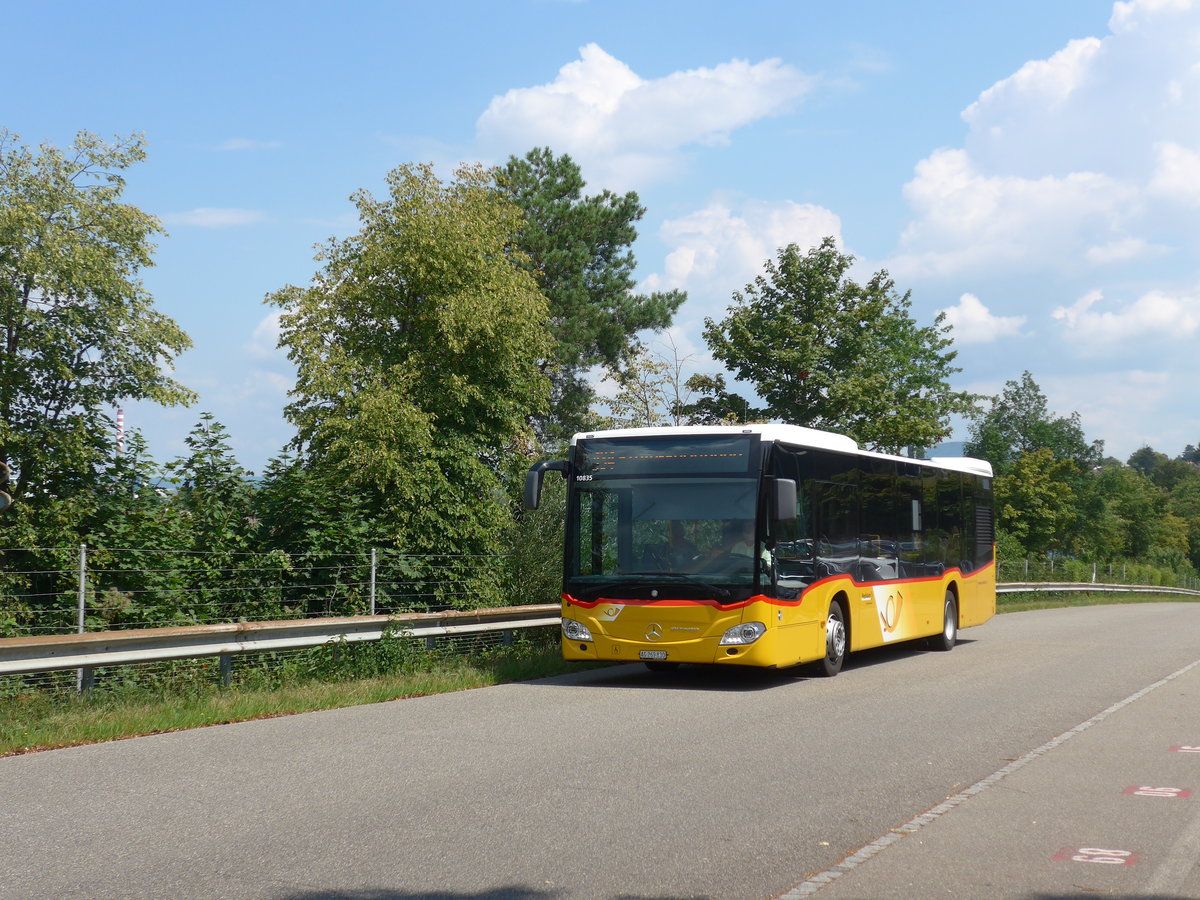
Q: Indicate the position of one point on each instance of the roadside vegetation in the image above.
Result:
(186, 694)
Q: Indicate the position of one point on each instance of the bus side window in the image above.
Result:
(879, 544)
(791, 539)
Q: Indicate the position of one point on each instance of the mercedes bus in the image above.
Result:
(765, 545)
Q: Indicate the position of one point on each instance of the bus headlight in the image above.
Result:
(573, 631)
(746, 633)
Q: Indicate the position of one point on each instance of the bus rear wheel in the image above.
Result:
(949, 635)
(835, 643)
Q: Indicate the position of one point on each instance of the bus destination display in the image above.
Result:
(673, 455)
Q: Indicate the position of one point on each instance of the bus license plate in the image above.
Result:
(652, 654)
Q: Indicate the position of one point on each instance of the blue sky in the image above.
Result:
(1032, 169)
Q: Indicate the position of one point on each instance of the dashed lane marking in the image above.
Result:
(814, 883)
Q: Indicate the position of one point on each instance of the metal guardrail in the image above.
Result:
(1059, 587)
(30, 655)
(48, 653)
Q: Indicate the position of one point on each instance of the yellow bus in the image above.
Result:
(765, 545)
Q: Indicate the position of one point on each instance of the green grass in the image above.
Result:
(183, 695)
(33, 720)
(1021, 602)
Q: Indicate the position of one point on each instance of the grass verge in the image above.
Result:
(32, 720)
(1022, 602)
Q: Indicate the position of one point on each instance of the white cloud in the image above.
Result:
(264, 341)
(240, 144)
(722, 247)
(628, 130)
(1045, 82)
(1072, 160)
(211, 217)
(1156, 314)
(974, 323)
(1128, 16)
(1122, 250)
(1177, 174)
(967, 219)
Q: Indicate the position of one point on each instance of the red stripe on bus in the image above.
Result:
(762, 598)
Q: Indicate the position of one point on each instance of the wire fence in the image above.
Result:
(1081, 571)
(69, 590)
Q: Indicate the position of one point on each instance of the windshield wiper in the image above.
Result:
(652, 579)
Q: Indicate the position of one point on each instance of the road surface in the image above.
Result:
(617, 783)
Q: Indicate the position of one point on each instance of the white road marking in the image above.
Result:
(1187, 846)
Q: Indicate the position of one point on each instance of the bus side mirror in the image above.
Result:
(533, 480)
(785, 499)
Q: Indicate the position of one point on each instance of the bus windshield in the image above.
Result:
(693, 530)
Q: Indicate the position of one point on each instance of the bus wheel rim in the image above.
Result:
(836, 638)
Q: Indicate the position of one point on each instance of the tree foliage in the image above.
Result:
(826, 352)
(79, 332)
(417, 348)
(578, 248)
(1035, 503)
(1019, 421)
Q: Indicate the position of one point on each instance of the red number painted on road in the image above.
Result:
(1097, 855)
(1147, 791)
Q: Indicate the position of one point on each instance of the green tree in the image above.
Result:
(212, 491)
(652, 389)
(417, 348)
(826, 352)
(578, 247)
(1146, 460)
(1148, 529)
(1019, 421)
(1036, 503)
(714, 404)
(79, 332)
(1184, 502)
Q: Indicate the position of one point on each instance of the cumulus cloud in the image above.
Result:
(1177, 174)
(629, 130)
(974, 323)
(1156, 314)
(967, 219)
(1046, 82)
(1072, 160)
(212, 217)
(722, 247)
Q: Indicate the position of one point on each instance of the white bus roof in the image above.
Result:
(797, 435)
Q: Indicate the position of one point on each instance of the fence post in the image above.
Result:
(1093, 573)
(225, 662)
(83, 676)
(372, 581)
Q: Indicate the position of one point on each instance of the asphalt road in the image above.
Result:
(616, 783)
